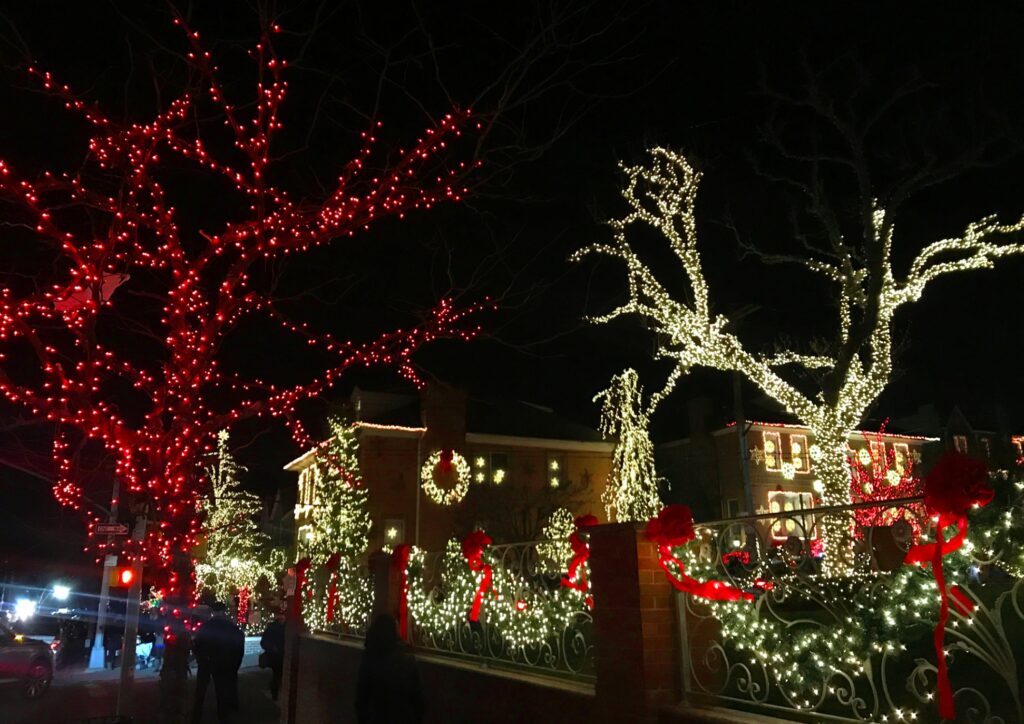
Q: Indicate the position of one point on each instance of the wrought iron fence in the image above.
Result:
(857, 647)
(565, 651)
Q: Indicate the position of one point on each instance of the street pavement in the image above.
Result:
(76, 697)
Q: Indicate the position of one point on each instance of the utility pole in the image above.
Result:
(97, 653)
(131, 625)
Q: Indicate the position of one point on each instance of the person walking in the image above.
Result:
(113, 637)
(219, 646)
(272, 643)
(388, 690)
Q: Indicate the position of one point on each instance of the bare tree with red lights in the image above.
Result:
(114, 333)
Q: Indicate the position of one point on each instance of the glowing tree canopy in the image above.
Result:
(662, 194)
(112, 329)
(632, 489)
(236, 556)
(341, 520)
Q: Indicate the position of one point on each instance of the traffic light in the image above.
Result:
(122, 577)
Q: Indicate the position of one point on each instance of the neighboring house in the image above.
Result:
(776, 457)
(980, 431)
(525, 461)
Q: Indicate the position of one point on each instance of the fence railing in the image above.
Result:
(528, 620)
(856, 647)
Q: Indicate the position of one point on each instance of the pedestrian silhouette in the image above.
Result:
(388, 690)
(219, 646)
(272, 643)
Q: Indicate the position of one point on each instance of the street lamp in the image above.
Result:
(24, 609)
(61, 592)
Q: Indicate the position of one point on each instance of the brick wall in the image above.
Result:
(634, 643)
(455, 693)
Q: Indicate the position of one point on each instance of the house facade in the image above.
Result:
(523, 462)
(769, 467)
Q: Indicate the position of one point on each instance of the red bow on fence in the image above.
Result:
(332, 588)
(674, 527)
(400, 560)
(577, 578)
(473, 549)
(956, 484)
(300, 581)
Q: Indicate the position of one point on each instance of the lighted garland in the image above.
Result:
(881, 608)
(462, 477)
(352, 604)
(525, 613)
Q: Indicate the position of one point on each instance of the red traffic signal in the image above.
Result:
(122, 577)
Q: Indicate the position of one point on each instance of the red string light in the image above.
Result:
(159, 459)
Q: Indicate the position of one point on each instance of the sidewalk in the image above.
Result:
(82, 695)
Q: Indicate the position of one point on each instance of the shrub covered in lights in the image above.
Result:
(525, 612)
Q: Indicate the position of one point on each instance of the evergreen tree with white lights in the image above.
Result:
(237, 556)
(341, 520)
(662, 194)
(340, 525)
(631, 493)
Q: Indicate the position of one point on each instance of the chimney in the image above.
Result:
(443, 413)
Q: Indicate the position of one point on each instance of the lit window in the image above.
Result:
(798, 452)
(877, 455)
(782, 502)
(960, 443)
(986, 445)
(902, 457)
(772, 451)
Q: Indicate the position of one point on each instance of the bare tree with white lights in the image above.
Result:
(662, 194)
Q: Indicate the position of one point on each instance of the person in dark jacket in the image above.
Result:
(219, 646)
(388, 690)
(272, 644)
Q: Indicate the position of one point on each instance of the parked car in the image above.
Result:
(26, 661)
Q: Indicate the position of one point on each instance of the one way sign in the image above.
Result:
(111, 529)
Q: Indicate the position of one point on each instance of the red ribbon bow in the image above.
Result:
(956, 484)
(300, 581)
(577, 578)
(473, 549)
(400, 560)
(445, 462)
(332, 590)
(674, 527)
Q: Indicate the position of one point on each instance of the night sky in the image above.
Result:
(687, 75)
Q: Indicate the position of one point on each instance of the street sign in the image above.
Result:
(110, 529)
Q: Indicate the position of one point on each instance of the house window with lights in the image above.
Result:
(782, 502)
(772, 451)
(798, 453)
(960, 443)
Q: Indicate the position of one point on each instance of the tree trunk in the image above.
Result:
(836, 529)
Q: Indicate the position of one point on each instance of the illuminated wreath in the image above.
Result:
(452, 495)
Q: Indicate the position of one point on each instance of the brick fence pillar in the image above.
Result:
(635, 650)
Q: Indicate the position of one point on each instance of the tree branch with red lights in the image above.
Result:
(113, 329)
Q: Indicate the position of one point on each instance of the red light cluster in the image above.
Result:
(136, 233)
